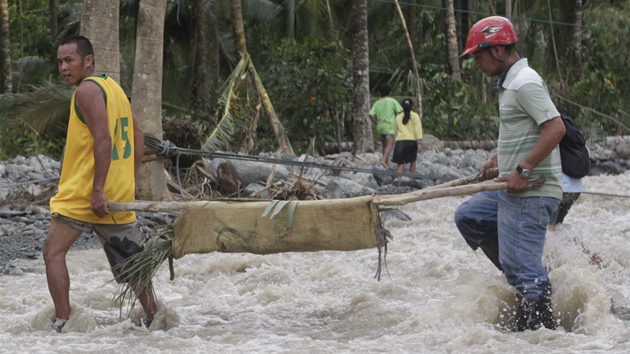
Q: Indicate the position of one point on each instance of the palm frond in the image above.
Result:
(313, 18)
(290, 212)
(138, 270)
(261, 9)
(277, 206)
(276, 125)
(39, 107)
(31, 70)
(269, 207)
(225, 127)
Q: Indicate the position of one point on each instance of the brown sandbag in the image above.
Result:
(234, 226)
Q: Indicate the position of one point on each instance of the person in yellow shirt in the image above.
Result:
(408, 129)
(103, 152)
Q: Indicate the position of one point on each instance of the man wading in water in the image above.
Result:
(103, 152)
(510, 226)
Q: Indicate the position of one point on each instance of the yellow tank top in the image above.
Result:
(77, 173)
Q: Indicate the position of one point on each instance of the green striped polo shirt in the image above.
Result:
(524, 105)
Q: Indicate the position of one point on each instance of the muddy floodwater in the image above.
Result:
(435, 295)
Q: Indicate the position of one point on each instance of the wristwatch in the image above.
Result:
(523, 172)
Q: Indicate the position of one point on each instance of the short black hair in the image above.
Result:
(385, 89)
(84, 46)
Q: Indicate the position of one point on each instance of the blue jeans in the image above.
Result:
(516, 227)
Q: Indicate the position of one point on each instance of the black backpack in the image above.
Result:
(573, 151)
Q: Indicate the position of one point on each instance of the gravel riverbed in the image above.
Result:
(26, 184)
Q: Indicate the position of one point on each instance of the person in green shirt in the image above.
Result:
(383, 113)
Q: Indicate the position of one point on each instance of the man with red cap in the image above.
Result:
(510, 226)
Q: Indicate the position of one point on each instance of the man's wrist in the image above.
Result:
(523, 172)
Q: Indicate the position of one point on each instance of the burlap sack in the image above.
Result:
(226, 226)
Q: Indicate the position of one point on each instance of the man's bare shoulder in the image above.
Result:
(88, 89)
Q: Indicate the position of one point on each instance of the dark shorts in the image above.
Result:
(119, 241)
(405, 151)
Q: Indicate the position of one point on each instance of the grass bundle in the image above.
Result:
(138, 270)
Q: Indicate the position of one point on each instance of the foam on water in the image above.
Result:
(435, 295)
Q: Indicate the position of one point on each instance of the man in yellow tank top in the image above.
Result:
(104, 148)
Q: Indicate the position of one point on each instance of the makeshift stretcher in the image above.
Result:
(266, 227)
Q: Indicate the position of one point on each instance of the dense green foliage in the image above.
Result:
(301, 50)
(310, 82)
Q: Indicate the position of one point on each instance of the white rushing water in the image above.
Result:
(436, 295)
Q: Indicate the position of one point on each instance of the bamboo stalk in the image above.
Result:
(147, 206)
(425, 194)
(276, 125)
(398, 199)
(152, 206)
(458, 182)
(414, 63)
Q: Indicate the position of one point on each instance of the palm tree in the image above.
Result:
(236, 10)
(199, 86)
(577, 41)
(99, 23)
(214, 43)
(147, 92)
(362, 128)
(246, 64)
(6, 72)
(451, 38)
(52, 9)
(310, 18)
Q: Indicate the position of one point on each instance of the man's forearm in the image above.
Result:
(102, 160)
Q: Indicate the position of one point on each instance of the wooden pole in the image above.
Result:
(150, 206)
(425, 194)
(459, 182)
(398, 199)
(414, 63)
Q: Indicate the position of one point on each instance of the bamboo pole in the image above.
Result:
(425, 194)
(147, 206)
(459, 182)
(276, 125)
(154, 207)
(414, 63)
(398, 199)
